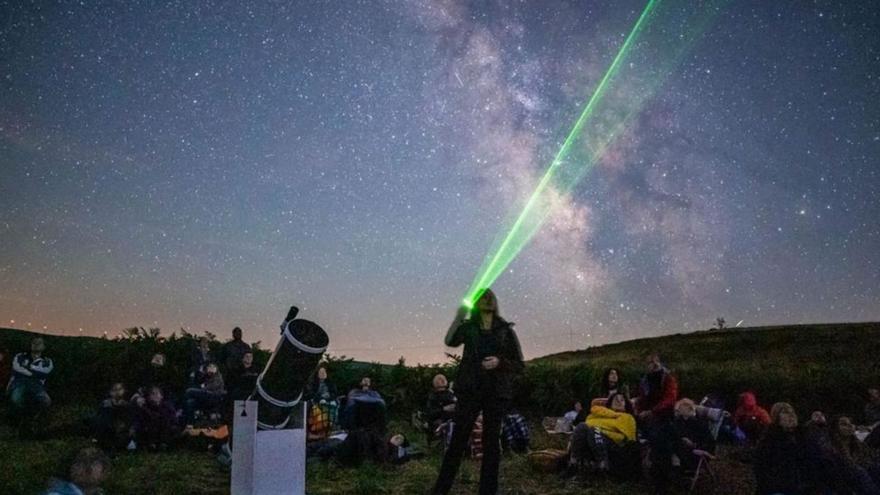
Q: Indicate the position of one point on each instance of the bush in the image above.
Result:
(814, 367)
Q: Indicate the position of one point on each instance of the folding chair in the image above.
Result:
(715, 417)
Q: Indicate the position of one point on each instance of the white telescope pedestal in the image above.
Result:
(268, 462)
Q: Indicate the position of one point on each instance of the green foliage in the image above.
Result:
(812, 366)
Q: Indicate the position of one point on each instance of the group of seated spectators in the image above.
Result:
(361, 431)
(149, 415)
(667, 436)
(655, 432)
(152, 418)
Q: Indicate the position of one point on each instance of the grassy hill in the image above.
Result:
(813, 366)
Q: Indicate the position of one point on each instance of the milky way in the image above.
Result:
(202, 165)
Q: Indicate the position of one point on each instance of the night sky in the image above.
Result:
(207, 164)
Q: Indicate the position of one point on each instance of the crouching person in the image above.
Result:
(27, 388)
(607, 439)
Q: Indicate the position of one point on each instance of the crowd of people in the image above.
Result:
(669, 435)
(150, 415)
(652, 432)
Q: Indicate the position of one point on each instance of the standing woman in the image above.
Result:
(490, 362)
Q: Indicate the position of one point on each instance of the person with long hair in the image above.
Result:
(324, 410)
(612, 384)
(856, 472)
(780, 464)
(490, 362)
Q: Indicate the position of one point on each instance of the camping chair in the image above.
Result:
(715, 418)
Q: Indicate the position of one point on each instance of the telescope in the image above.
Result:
(269, 428)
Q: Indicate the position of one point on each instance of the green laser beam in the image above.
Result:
(483, 281)
(564, 173)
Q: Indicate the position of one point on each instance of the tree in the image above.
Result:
(720, 322)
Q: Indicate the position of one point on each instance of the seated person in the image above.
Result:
(113, 425)
(691, 433)
(856, 471)
(577, 414)
(605, 434)
(199, 360)
(779, 463)
(750, 418)
(27, 388)
(156, 374)
(400, 451)
(612, 384)
(440, 407)
(207, 397)
(88, 470)
(362, 404)
(242, 378)
(156, 425)
(324, 411)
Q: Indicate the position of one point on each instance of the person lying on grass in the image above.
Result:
(88, 470)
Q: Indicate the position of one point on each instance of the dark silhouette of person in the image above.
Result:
(490, 362)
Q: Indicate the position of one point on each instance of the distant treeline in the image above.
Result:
(826, 367)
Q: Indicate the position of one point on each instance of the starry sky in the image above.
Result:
(202, 165)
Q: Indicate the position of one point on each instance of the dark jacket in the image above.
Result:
(696, 430)
(779, 463)
(156, 376)
(156, 422)
(213, 384)
(872, 413)
(232, 352)
(242, 381)
(436, 402)
(472, 380)
(199, 360)
(313, 393)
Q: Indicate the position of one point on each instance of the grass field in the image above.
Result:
(28, 465)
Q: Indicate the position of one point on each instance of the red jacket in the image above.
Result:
(660, 402)
(747, 409)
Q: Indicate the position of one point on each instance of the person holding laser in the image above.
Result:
(490, 362)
